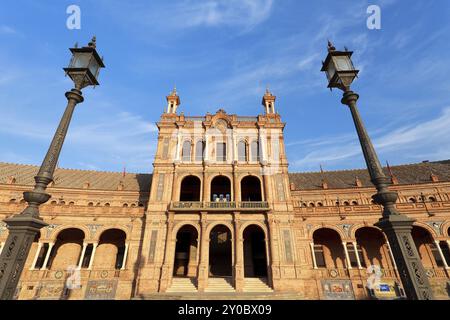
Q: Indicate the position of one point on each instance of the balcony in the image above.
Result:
(220, 206)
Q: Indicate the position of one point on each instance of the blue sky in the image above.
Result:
(222, 54)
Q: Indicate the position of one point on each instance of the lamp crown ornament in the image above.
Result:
(331, 47)
(93, 42)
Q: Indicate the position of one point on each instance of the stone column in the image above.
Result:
(347, 257)
(205, 197)
(274, 258)
(239, 255)
(33, 264)
(441, 253)
(267, 189)
(125, 254)
(91, 262)
(47, 256)
(178, 149)
(234, 147)
(166, 276)
(358, 260)
(83, 251)
(237, 189)
(262, 145)
(313, 254)
(2, 244)
(206, 155)
(203, 270)
(229, 142)
(174, 184)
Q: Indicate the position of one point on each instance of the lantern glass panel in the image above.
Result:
(343, 63)
(94, 67)
(331, 70)
(81, 60)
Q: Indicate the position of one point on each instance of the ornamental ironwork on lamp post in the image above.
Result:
(340, 72)
(83, 69)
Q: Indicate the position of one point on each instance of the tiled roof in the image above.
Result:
(405, 174)
(70, 178)
(98, 180)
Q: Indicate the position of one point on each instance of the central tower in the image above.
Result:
(219, 182)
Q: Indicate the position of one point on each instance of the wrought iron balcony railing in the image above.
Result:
(219, 206)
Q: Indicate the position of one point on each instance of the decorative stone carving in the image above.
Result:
(93, 228)
(50, 229)
(346, 228)
(436, 225)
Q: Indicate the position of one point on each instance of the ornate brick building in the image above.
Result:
(221, 213)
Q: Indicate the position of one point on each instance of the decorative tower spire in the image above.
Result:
(394, 179)
(268, 102)
(173, 101)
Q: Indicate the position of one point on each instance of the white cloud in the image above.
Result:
(241, 13)
(422, 141)
(7, 30)
(116, 138)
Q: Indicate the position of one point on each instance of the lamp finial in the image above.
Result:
(93, 43)
(331, 47)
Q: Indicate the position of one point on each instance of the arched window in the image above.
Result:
(354, 203)
(67, 250)
(328, 249)
(221, 151)
(90, 204)
(251, 189)
(190, 189)
(432, 199)
(186, 151)
(199, 150)
(346, 203)
(110, 252)
(319, 204)
(242, 151)
(427, 248)
(255, 151)
(220, 189)
(186, 250)
(412, 200)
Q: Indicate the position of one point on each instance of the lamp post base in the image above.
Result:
(23, 229)
(397, 228)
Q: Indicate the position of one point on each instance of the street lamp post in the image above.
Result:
(340, 72)
(83, 69)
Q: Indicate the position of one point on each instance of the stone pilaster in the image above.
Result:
(239, 254)
(203, 269)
